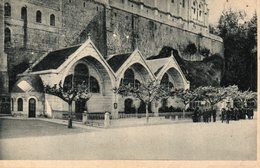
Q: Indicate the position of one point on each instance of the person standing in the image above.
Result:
(214, 114)
(223, 114)
(228, 115)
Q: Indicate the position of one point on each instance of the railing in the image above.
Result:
(75, 116)
(167, 115)
(65, 115)
(95, 119)
(180, 115)
(138, 115)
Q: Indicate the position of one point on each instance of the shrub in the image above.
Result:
(191, 48)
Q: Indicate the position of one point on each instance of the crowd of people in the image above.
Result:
(208, 115)
(236, 114)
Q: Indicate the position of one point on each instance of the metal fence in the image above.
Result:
(95, 119)
(65, 115)
(167, 115)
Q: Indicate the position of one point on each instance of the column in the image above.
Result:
(115, 106)
(4, 85)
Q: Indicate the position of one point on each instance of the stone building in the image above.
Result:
(33, 28)
(85, 63)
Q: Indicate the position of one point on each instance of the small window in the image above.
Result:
(38, 17)
(52, 20)
(7, 9)
(69, 1)
(84, 4)
(24, 13)
(172, 1)
(183, 3)
(115, 14)
(20, 104)
(7, 35)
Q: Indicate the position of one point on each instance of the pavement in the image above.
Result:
(182, 141)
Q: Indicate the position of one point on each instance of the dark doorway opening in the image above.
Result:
(32, 108)
(142, 109)
(129, 109)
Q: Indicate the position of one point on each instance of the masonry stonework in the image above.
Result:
(115, 26)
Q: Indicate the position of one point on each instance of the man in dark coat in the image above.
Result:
(228, 115)
(214, 114)
(223, 114)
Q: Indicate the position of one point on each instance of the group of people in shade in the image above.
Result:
(208, 115)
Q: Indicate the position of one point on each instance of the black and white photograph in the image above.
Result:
(134, 80)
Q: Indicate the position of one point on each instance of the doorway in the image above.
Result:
(32, 108)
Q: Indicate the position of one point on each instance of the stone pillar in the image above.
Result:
(156, 109)
(176, 118)
(4, 79)
(115, 106)
(85, 117)
(107, 120)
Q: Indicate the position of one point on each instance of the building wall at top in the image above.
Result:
(127, 31)
(30, 39)
(83, 18)
(115, 26)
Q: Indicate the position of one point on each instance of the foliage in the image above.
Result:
(80, 92)
(186, 96)
(240, 39)
(211, 94)
(147, 92)
(205, 52)
(191, 48)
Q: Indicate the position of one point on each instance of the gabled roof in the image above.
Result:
(32, 83)
(157, 64)
(116, 61)
(54, 59)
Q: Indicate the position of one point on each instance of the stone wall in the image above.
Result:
(126, 31)
(29, 39)
(82, 19)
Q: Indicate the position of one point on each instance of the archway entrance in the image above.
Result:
(142, 108)
(79, 109)
(32, 108)
(129, 106)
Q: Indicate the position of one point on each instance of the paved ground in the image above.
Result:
(10, 128)
(183, 141)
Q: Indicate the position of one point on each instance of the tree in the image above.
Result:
(69, 94)
(191, 48)
(239, 37)
(243, 97)
(211, 94)
(187, 96)
(147, 92)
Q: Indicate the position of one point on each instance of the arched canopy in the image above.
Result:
(135, 74)
(166, 82)
(80, 75)
(90, 71)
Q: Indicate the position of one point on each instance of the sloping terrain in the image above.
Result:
(199, 73)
